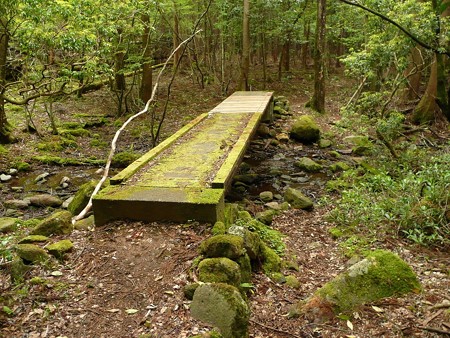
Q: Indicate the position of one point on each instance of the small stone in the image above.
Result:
(41, 177)
(282, 137)
(58, 249)
(13, 171)
(293, 282)
(297, 200)
(189, 290)
(308, 164)
(17, 204)
(45, 200)
(219, 270)
(8, 224)
(64, 180)
(66, 203)
(266, 216)
(229, 246)
(339, 166)
(324, 143)
(5, 178)
(85, 223)
(31, 253)
(266, 196)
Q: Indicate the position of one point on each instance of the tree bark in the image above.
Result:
(4, 40)
(414, 74)
(318, 99)
(245, 63)
(437, 93)
(176, 35)
(145, 91)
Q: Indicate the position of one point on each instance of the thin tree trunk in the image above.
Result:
(245, 65)
(145, 91)
(176, 35)
(318, 99)
(415, 69)
(4, 40)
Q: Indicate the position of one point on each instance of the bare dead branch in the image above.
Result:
(88, 207)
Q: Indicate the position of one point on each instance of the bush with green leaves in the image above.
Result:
(408, 198)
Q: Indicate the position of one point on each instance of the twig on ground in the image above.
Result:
(430, 318)
(274, 329)
(434, 329)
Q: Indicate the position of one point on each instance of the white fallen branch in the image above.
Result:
(88, 207)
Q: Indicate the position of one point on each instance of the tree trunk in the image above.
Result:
(145, 91)
(437, 93)
(305, 45)
(4, 40)
(414, 73)
(318, 99)
(176, 36)
(245, 65)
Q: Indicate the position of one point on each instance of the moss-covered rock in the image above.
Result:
(189, 290)
(381, 274)
(18, 270)
(360, 144)
(46, 200)
(297, 200)
(33, 239)
(229, 246)
(60, 248)
(266, 216)
(31, 253)
(81, 198)
(324, 143)
(307, 164)
(85, 223)
(123, 159)
(59, 223)
(8, 224)
(222, 306)
(293, 282)
(271, 262)
(305, 129)
(339, 166)
(252, 242)
(246, 268)
(219, 228)
(219, 270)
(266, 196)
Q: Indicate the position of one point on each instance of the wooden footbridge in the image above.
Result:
(186, 176)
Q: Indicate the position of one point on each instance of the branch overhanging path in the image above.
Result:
(404, 30)
(88, 207)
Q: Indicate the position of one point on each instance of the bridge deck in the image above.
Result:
(186, 176)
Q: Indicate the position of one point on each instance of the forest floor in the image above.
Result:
(126, 279)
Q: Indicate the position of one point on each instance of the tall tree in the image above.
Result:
(245, 62)
(318, 99)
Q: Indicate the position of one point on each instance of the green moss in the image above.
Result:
(219, 270)
(123, 159)
(271, 262)
(245, 268)
(72, 125)
(57, 144)
(22, 166)
(293, 282)
(75, 132)
(58, 249)
(33, 239)
(82, 197)
(229, 246)
(272, 237)
(3, 150)
(336, 232)
(189, 290)
(339, 166)
(37, 281)
(218, 228)
(31, 253)
(307, 164)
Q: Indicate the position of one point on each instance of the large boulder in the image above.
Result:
(222, 306)
(305, 129)
(219, 270)
(297, 200)
(381, 274)
(59, 223)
